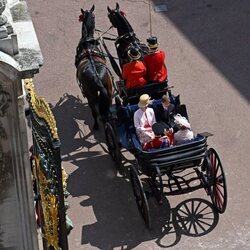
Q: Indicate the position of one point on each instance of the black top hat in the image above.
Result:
(152, 42)
(159, 127)
(134, 53)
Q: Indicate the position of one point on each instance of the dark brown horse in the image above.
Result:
(94, 78)
(126, 34)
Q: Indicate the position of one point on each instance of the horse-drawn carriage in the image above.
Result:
(170, 162)
(194, 156)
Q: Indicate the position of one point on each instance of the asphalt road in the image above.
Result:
(208, 51)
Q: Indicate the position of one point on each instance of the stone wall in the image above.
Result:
(20, 57)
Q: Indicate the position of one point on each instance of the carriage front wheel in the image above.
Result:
(219, 188)
(113, 145)
(141, 199)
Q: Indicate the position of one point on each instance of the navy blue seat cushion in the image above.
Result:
(130, 109)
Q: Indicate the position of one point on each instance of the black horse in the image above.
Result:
(94, 78)
(126, 36)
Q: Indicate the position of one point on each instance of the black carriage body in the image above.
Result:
(167, 159)
(193, 156)
(172, 159)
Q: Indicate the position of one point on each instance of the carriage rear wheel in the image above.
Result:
(113, 145)
(219, 188)
(141, 199)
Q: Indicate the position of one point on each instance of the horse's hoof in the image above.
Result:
(95, 127)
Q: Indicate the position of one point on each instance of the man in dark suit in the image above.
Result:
(165, 112)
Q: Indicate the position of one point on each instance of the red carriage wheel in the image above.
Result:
(219, 189)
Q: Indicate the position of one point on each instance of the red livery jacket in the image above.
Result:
(157, 142)
(156, 68)
(134, 74)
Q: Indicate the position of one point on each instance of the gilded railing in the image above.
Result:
(49, 176)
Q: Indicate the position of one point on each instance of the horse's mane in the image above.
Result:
(121, 22)
(125, 22)
(88, 26)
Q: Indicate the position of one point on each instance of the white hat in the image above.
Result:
(144, 101)
(134, 53)
(182, 121)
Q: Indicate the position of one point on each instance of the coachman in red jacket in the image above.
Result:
(155, 62)
(134, 72)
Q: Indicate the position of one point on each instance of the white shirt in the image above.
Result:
(183, 136)
(142, 117)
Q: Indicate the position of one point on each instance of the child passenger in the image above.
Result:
(163, 137)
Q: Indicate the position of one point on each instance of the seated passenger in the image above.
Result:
(163, 137)
(165, 111)
(134, 72)
(154, 62)
(144, 118)
(184, 134)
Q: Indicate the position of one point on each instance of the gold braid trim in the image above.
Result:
(40, 107)
(49, 209)
(64, 179)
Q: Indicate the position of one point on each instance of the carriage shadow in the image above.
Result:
(118, 221)
(192, 217)
(74, 124)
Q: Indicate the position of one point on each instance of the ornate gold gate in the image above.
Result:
(49, 176)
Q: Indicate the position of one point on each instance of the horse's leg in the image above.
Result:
(105, 95)
(95, 115)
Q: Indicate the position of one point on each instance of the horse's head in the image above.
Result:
(119, 21)
(88, 23)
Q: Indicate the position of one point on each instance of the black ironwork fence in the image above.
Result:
(49, 176)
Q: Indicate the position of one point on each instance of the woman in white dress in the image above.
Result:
(144, 118)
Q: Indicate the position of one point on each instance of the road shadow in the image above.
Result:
(219, 30)
(74, 123)
(118, 221)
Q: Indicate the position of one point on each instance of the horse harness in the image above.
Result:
(88, 54)
(92, 56)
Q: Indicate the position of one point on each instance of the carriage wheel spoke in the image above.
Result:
(192, 207)
(203, 222)
(198, 222)
(219, 179)
(185, 205)
(195, 227)
(218, 190)
(197, 207)
(190, 225)
(218, 200)
(184, 212)
(207, 213)
(207, 218)
(203, 209)
(219, 184)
